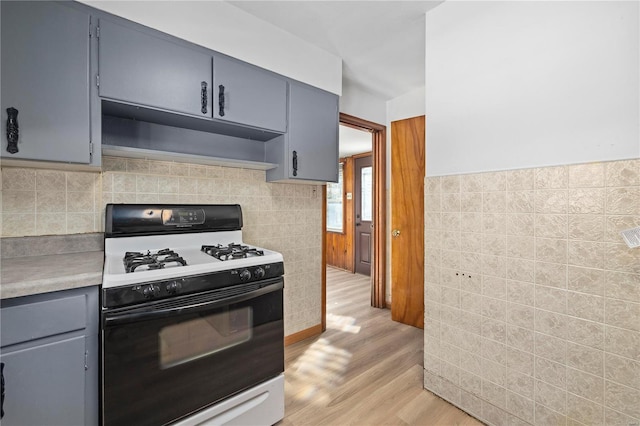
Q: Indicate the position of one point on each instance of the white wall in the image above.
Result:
(222, 27)
(409, 105)
(362, 104)
(522, 84)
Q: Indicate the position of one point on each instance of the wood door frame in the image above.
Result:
(379, 159)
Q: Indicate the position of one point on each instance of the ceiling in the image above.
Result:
(353, 141)
(381, 43)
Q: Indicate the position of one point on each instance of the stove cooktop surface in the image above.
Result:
(135, 260)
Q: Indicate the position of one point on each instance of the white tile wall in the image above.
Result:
(532, 300)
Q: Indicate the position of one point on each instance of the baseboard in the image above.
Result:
(303, 334)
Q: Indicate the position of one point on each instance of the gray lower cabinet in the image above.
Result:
(49, 352)
(140, 68)
(309, 149)
(45, 79)
(248, 95)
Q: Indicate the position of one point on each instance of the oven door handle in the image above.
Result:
(137, 316)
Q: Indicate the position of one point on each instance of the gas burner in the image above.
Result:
(151, 261)
(231, 251)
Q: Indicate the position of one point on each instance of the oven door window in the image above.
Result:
(200, 337)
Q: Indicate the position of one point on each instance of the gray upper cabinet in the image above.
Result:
(45, 77)
(248, 95)
(309, 150)
(140, 68)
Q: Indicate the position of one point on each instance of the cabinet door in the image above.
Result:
(248, 95)
(313, 134)
(44, 385)
(146, 70)
(45, 76)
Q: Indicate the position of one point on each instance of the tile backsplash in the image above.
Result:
(49, 202)
(532, 299)
(282, 217)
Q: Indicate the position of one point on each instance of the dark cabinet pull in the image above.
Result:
(203, 97)
(2, 394)
(13, 131)
(295, 163)
(221, 100)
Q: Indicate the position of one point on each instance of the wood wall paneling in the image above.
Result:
(340, 245)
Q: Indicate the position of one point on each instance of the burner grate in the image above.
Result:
(231, 251)
(151, 261)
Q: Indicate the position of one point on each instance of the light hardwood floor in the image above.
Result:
(364, 370)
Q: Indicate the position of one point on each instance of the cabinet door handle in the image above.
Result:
(13, 131)
(295, 163)
(221, 100)
(203, 97)
(2, 394)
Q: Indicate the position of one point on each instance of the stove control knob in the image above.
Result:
(173, 287)
(259, 272)
(151, 291)
(245, 275)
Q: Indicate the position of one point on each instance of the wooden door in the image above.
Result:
(407, 220)
(363, 214)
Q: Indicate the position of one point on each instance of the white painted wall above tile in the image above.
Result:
(511, 85)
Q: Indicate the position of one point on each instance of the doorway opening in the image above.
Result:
(354, 211)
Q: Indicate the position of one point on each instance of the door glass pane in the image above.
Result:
(366, 190)
(191, 340)
(335, 206)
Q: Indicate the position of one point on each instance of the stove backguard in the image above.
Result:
(127, 220)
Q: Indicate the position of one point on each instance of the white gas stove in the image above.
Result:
(192, 327)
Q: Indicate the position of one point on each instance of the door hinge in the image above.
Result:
(86, 360)
(98, 80)
(98, 32)
(90, 148)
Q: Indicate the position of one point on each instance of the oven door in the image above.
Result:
(169, 359)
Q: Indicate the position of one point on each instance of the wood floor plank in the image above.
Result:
(364, 370)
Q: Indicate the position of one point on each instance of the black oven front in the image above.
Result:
(165, 360)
